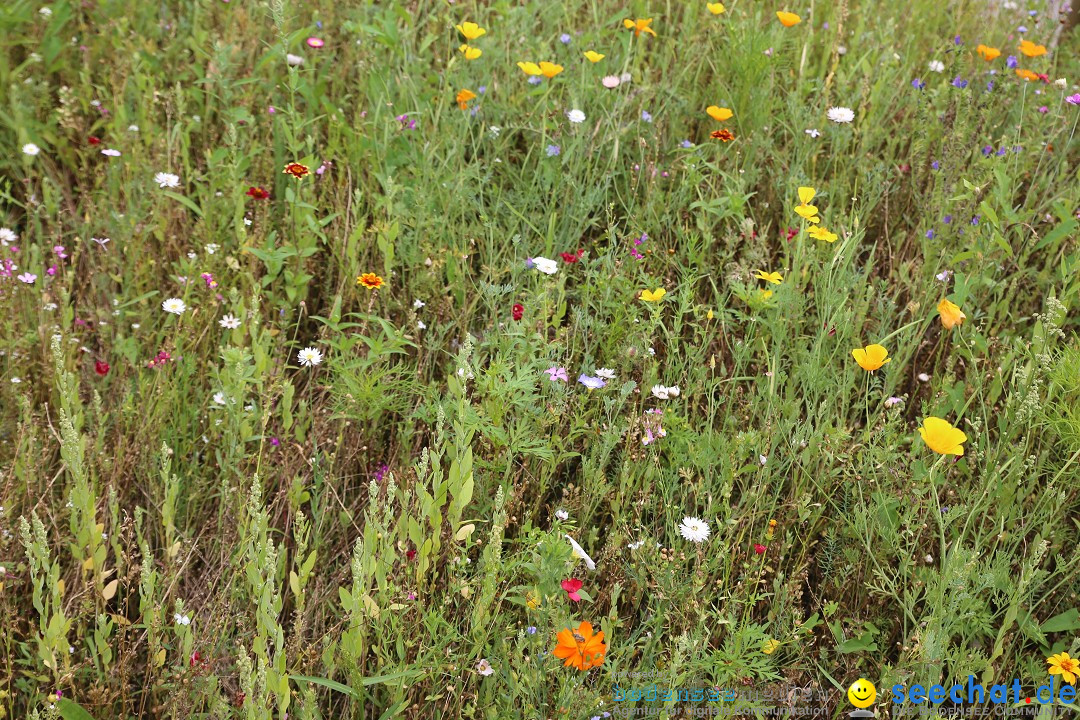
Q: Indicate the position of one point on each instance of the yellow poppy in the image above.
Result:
(641, 25)
(463, 98)
(470, 30)
(1027, 74)
(550, 70)
(470, 53)
(769, 646)
(806, 194)
(941, 437)
(820, 232)
(808, 213)
(529, 68)
(1067, 667)
(988, 53)
(951, 314)
(715, 8)
(787, 19)
(653, 295)
(719, 114)
(771, 277)
(1031, 49)
(593, 56)
(871, 357)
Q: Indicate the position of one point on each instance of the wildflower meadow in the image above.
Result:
(541, 360)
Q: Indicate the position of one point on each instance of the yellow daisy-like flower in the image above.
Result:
(550, 70)
(653, 295)
(530, 68)
(470, 52)
(370, 280)
(765, 294)
(470, 30)
(941, 437)
(770, 277)
(951, 314)
(1067, 667)
(641, 25)
(593, 56)
(820, 232)
(715, 8)
(871, 357)
(719, 114)
(787, 19)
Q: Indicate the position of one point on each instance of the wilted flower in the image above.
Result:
(579, 552)
(641, 25)
(950, 313)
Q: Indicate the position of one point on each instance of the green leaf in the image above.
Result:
(1067, 621)
(70, 710)
(185, 201)
(333, 685)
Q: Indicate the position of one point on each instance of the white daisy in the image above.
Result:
(484, 667)
(8, 236)
(167, 180)
(605, 373)
(694, 529)
(229, 322)
(30, 149)
(576, 116)
(546, 266)
(175, 306)
(840, 114)
(309, 357)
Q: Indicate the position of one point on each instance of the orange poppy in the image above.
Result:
(1027, 74)
(988, 53)
(580, 648)
(1031, 49)
(787, 19)
(639, 26)
(464, 97)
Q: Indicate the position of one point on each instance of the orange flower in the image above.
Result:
(951, 314)
(1031, 49)
(639, 26)
(297, 170)
(580, 648)
(1027, 74)
(719, 114)
(550, 70)
(787, 19)
(724, 135)
(464, 97)
(370, 280)
(988, 53)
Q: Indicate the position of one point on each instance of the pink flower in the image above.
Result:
(60, 251)
(557, 373)
(759, 548)
(1073, 99)
(28, 278)
(315, 42)
(571, 587)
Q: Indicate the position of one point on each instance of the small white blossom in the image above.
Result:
(840, 114)
(30, 149)
(937, 66)
(229, 322)
(167, 180)
(694, 529)
(545, 265)
(576, 116)
(309, 357)
(174, 306)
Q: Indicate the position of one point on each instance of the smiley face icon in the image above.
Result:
(862, 693)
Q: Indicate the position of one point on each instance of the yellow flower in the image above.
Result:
(806, 194)
(470, 30)
(941, 437)
(769, 646)
(529, 68)
(820, 232)
(808, 212)
(709, 315)
(532, 599)
(951, 314)
(370, 280)
(653, 295)
(550, 70)
(593, 56)
(641, 25)
(470, 53)
(871, 357)
(765, 294)
(719, 114)
(988, 53)
(787, 19)
(772, 277)
(1027, 74)
(715, 8)
(1031, 49)
(1067, 667)
(463, 98)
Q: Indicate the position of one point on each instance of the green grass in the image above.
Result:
(350, 540)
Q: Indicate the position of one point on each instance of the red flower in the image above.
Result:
(101, 368)
(93, 140)
(571, 587)
(791, 232)
(257, 192)
(572, 257)
(759, 548)
(410, 555)
(518, 311)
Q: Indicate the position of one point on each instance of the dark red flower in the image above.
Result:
(759, 548)
(571, 587)
(791, 232)
(93, 140)
(518, 311)
(257, 192)
(410, 555)
(572, 257)
(101, 368)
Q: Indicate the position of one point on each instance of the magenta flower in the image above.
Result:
(28, 278)
(1073, 99)
(557, 373)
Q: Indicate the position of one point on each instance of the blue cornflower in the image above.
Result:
(552, 150)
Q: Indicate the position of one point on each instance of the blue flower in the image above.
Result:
(1001, 151)
(552, 150)
(975, 220)
(947, 219)
(1011, 62)
(930, 234)
(918, 84)
(646, 116)
(957, 41)
(535, 79)
(987, 150)
(531, 629)
(990, 86)
(593, 383)
(1021, 29)
(936, 165)
(564, 39)
(686, 144)
(959, 82)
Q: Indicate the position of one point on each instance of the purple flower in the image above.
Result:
(1021, 29)
(1011, 62)
(1044, 109)
(936, 165)
(531, 629)
(557, 373)
(1001, 151)
(1073, 99)
(687, 144)
(564, 39)
(947, 219)
(535, 79)
(593, 383)
(381, 472)
(646, 116)
(959, 82)
(957, 41)
(930, 234)
(918, 84)
(975, 220)
(552, 150)
(990, 86)
(275, 442)
(481, 90)
(987, 150)
(529, 264)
